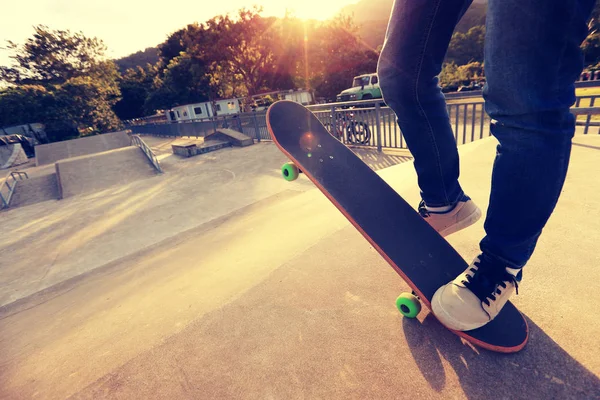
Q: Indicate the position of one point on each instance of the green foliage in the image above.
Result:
(246, 54)
(185, 80)
(250, 47)
(467, 47)
(53, 57)
(334, 55)
(454, 76)
(226, 57)
(61, 80)
(88, 103)
(594, 21)
(591, 48)
(136, 85)
(17, 102)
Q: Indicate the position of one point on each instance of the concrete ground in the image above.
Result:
(220, 280)
(79, 234)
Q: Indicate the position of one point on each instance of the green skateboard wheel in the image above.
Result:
(289, 171)
(408, 304)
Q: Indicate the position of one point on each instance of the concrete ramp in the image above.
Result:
(234, 137)
(52, 152)
(100, 171)
(12, 155)
(36, 189)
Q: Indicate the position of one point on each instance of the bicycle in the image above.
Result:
(356, 132)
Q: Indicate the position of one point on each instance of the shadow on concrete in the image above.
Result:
(587, 146)
(382, 160)
(541, 370)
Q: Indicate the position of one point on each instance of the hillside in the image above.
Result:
(139, 58)
(372, 17)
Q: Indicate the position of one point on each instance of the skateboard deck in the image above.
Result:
(422, 257)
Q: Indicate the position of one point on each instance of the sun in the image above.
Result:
(306, 9)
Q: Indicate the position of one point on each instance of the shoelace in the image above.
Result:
(423, 210)
(486, 281)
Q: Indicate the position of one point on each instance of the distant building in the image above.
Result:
(203, 110)
(262, 101)
(222, 107)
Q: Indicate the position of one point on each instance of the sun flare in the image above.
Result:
(308, 9)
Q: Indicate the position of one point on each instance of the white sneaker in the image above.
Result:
(464, 214)
(475, 297)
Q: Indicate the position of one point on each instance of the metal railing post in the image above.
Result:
(256, 130)
(214, 124)
(334, 125)
(589, 117)
(15, 176)
(239, 121)
(378, 122)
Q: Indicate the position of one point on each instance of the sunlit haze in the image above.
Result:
(127, 26)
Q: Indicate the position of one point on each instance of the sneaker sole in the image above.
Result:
(463, 223)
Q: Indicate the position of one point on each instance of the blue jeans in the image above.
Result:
(532, 59)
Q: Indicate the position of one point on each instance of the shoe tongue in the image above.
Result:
(489, 274)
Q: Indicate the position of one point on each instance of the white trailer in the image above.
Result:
(206, 109)
(188, 112)
(303, 97)
(227, 107)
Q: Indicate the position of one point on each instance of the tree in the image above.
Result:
(245, 54)
(591, 48)
(185, 80)
(17, 102)
(252, 49)
(136, 85)
(594, 21)
(335, 54)
(227, 56)
(454, 76)
(62, 80)
(53, 57)
(591, 44)
(467, 47)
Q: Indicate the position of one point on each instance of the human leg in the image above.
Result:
(417, 39)
(532, 60)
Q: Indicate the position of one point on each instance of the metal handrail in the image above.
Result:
(585, 110)
(5, 200)
(136, 140)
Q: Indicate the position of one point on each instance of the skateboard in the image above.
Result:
(421, 256)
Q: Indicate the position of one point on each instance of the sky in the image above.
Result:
(127, 26)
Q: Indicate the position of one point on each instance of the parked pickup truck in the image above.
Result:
(364, 87)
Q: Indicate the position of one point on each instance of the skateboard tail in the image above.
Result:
(484, 345)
